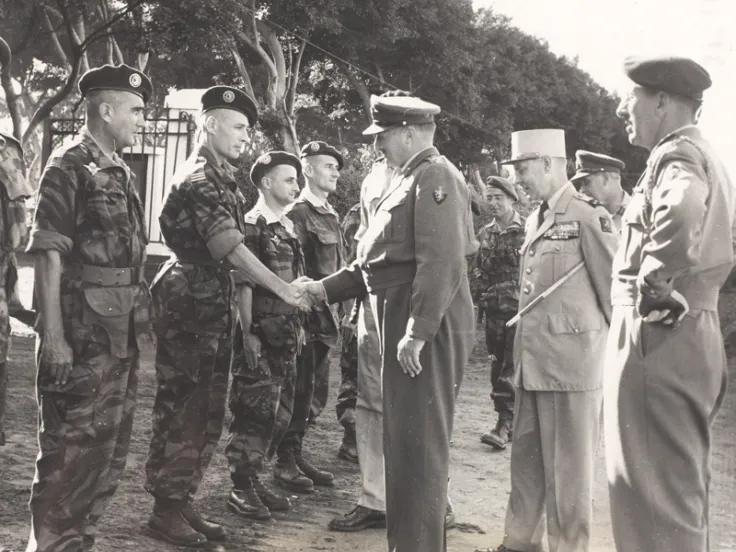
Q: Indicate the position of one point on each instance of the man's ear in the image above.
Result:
(307, 169)
(210, 124)
(106, 111)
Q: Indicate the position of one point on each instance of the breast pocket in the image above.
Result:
(633, 228)
(389, 222)
(106, 202)
(326, 243)
(558, 256)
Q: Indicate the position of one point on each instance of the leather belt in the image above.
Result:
(267, 305)
(105, 276)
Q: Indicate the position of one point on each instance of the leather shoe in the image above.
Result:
(212, 531)
(271, 500)
(318, 476)
(170, 526)
(348, 452)
(358, 519)
(245, 502)
(290, 478)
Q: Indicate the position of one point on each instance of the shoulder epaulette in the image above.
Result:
(251, 217)
(587, 199)
(198, 175)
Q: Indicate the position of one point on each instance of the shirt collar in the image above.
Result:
(271, 218)
(552, 201)
(308, 195)
(98, 155)
(224, 169)
(515, 220)
(412, 159)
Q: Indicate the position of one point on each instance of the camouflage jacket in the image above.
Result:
(14, 191)
(497, 264)
(318, 230)
(90, 212)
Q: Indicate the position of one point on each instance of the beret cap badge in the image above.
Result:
(135, 80)
(265, 159)
(228, 96)
(314, 146)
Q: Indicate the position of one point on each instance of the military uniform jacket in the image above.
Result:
(89, 211)
(498, 261)
(421, 232)
(678, 229)
(559, 344)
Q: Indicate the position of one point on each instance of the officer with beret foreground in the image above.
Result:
(89, 242)
(665, 360)
(318, 227)
(202, 222)
(497, 271)
(268, 338)
(14, 190)
(558, 351)
(411, 260)
(599, 176)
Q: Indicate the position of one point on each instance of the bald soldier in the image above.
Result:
(89, 245)
(599, 176)
(202, 222)
(558, 351)
(411, 260)
(665, 360)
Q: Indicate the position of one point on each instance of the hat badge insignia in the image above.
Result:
(228, 96)
(265, 159)
(135, 80)
(439, 195)
(314, 146)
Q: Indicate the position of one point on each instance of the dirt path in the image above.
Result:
(479, 488)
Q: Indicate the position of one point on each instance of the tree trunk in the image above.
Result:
(11, 98)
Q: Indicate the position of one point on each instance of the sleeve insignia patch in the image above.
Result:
(563, 231)
(606, 225)
(439, 195)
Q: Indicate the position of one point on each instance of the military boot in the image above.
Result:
(272, 501)
(318, 477)
(501, 435)
(167, 524)
(245, 502)
(212, 531)
(287, 474)
(349, 448)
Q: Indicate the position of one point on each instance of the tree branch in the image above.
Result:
(242, 69)
(277, 54)
(361, 88)
(294, 79)
(11, 98)
(55, 39)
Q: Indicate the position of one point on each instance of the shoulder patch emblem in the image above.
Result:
(439, 195)
(198, 176)
(606, 225)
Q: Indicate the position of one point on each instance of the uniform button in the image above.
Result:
(557, 248)
(576, 330)
(527, 290)
(531, 253)
(528, 270)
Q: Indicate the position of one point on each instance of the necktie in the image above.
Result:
(542, 211)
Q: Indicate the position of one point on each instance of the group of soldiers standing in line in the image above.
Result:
(262, 295)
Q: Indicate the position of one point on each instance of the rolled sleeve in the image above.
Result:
(54, 219)
(222, 244)
(213, 221)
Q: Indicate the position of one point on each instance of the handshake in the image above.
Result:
(305, 293)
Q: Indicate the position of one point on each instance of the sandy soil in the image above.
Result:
(479, 489)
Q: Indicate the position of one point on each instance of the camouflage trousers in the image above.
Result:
(261, 402)
(5, 268)
(500, 346)
(192, 374)
(348, 394)
(83, 434)
(312, 377)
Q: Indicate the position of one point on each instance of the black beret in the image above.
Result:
(675, 75)
(399, 110)
(587, 163)
(273, 159)
(322, 148)
(227, 97)
(503, 185)
(119, 77)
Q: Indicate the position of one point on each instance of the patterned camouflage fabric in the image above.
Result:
(193, 294)
(89, 211)
(262, 396)
(318, 229)
(348, 393)
(497, 261)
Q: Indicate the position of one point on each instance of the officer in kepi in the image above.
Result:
(89, 243)
(599, 176)
(666, 366)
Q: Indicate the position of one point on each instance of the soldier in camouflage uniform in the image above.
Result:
(318, 227)
(202, 222)
(89, 242)
(268, 337)
(14, 190)
(348, 394)
(497, 268)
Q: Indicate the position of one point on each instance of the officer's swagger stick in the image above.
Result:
(546, 293)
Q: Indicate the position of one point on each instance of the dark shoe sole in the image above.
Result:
(248, 515)
(376, 524)
(293, 488)
(162, 536)
(324, 482)
(486, 440)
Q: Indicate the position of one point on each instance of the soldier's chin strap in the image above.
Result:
(546, 293)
